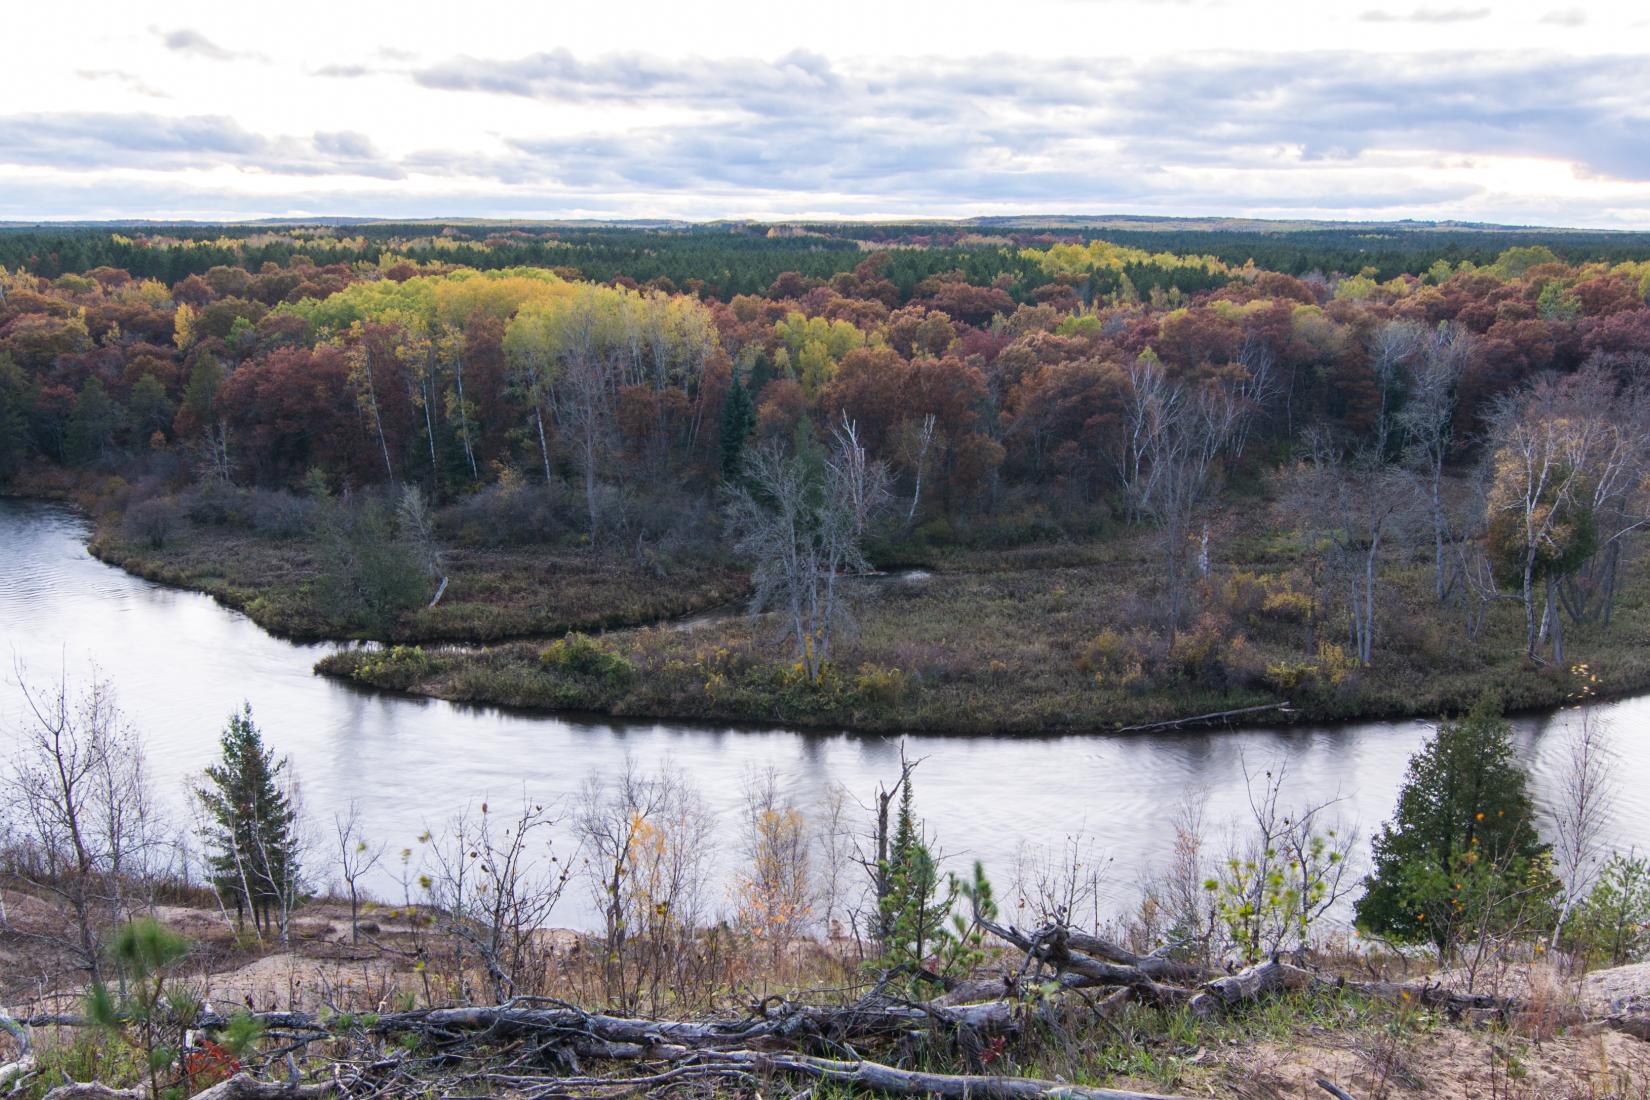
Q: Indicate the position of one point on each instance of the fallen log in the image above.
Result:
(893, 1081)
(239, 1087)
(1207, 719)
(1052, 946)
(23, 1064)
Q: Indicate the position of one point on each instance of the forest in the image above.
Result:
(1141, 487)
(979, 478)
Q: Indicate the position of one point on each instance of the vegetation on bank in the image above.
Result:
(842, 959)
(1046, 640)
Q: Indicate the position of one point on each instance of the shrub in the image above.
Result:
(399, 667)
(1119, 659)
(280, 514)
(1614, 923)
(1332, 668)
(213, 504)
(153, 522)
(880, 687)
(1210, 655)
(1255, 597)
(581, 655)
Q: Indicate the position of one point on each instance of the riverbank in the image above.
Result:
(1039, 650)
(492, 595)
(1047, 638)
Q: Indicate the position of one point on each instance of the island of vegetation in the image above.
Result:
(993, 477)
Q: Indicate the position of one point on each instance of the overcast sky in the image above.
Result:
(1523, 111)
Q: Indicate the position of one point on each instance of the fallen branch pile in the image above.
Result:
(541, 1048)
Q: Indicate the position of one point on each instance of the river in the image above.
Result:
(180, 663)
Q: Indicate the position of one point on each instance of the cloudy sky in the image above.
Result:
(1523, 111)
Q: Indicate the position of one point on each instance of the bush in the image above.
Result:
(583, 656)
(212, 504)
(1613, 926)
(1119, 659)
(1255, 597)
(882, 688)
(399, 667)
(153, 522)
(279, 514)
(1211, 655)
(1332, 668)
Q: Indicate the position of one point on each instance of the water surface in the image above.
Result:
(180, 663)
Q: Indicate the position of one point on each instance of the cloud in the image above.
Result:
(80, 141)
(1427, 15)
(188, 41)
(1006, 123)
(346, 145)
(345, 72)
(693, 136)
(132, 81)
(1565, 17)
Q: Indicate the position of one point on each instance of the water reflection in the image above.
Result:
(181, 663)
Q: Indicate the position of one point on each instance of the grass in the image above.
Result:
(1047, 649)
(492, 594)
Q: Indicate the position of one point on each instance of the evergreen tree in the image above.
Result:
(250, 832)
(148, 411)
(13, 425)
(1461, 848)
(200, 395)
(738, 421)
(91, 425)
(914, 907)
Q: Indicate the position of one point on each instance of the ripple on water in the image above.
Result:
(181, 663)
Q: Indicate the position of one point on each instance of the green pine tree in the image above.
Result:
(200, 395)
(1462, 849)
(13, 424)
(91, 425)
(738, 421)
(916, 905)
(250, 834)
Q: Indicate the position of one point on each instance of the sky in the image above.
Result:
(1510, 111)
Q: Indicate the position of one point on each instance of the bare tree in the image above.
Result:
(496, 880)
(1563, 449)
(1426, 419)
(357, 857)
(802, 519)
(1174, 436)
(1582, 806)
(834, 842)
(1358, 506)
(917, 441)
(78, 796)
(1061, 885)
(416, 526)
(1394, 347)
(774, 892)
(646, 840)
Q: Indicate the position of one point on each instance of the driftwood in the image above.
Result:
(1207, 719)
